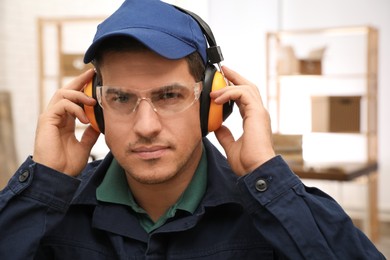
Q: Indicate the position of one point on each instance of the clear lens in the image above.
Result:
(166, 100)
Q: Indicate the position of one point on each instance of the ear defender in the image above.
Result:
(218, 113)
(211, 114)
(94, 113)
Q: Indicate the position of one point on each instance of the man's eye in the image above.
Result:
(169, 95)
(122, 98)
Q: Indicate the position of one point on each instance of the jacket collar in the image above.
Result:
(91, 177)
(221, 190)
(221, 183)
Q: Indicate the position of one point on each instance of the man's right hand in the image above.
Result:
(56, 145)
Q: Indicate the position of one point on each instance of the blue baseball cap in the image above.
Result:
(161, 27)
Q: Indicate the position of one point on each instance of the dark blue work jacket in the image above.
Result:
(268, 214)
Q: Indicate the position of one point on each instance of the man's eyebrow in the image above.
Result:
(169, 87)
(112, 90)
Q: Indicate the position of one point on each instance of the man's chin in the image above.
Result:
(152, 178)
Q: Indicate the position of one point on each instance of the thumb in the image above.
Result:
(224, 137)
(89, 137)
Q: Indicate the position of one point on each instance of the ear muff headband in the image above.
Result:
(214, 53)
(211, 114)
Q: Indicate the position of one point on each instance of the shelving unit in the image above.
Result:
(311, 71)
(8, 156)
(62, 42)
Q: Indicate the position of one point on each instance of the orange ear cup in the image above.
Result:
(89, 110)
(216, 111)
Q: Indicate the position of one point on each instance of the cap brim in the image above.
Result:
(164, 44)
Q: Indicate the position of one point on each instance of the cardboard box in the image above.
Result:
(289, 64)
(289, 146)
(339, 114)
(310, 67)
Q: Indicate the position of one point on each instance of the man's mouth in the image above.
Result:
(150, 152)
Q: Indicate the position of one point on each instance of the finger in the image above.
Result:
(241, 94)
(80, 81)
(235, 77)
(66, 107)
(228, 93)
(76, 97)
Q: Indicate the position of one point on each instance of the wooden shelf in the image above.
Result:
(348, 67)
(334, 172)
(62, 42)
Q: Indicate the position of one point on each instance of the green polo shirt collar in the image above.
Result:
(114, 189)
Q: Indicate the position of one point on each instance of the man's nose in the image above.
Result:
(147, 121)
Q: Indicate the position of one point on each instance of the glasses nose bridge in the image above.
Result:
(148, 100)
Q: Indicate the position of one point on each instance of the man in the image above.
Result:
(164, 191)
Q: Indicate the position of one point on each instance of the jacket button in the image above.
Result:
(24, 176)
(261, 185)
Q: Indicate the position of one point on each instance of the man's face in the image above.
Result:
(152, 148)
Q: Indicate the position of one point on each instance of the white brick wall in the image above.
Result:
(19, 55)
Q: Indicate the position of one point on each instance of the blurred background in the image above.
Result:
(42, 43)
